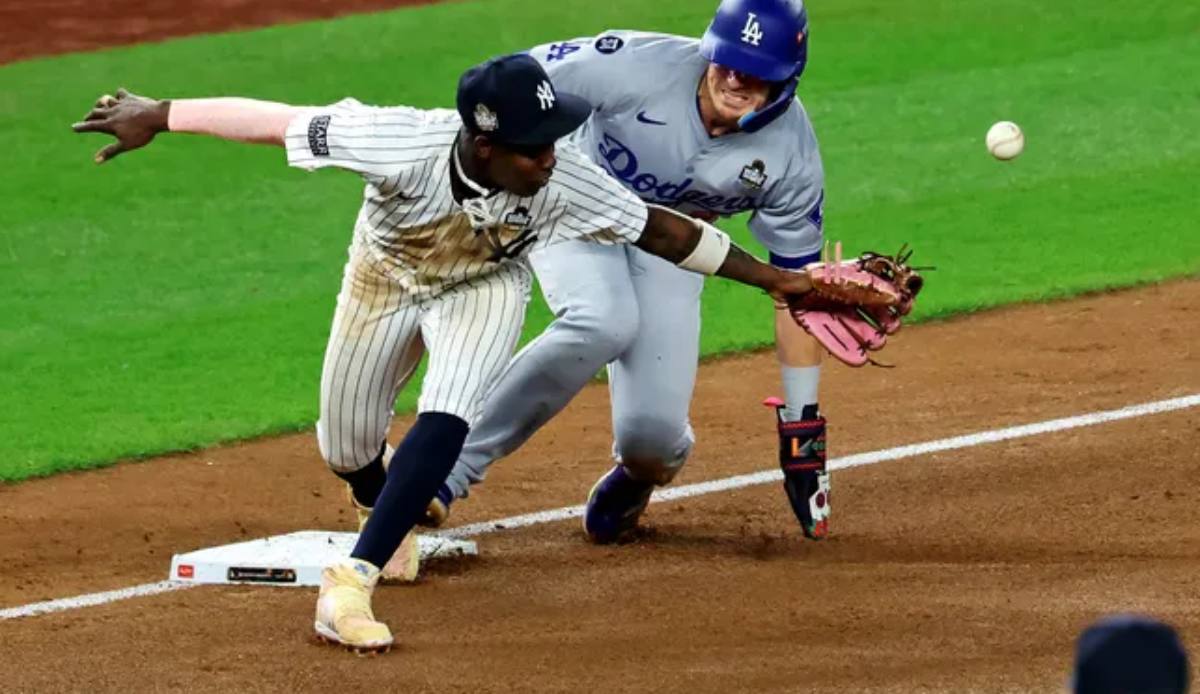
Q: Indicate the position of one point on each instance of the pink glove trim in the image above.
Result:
(834, 336)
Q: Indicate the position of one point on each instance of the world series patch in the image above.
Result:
(609, 44)
(754, 175)
(318, 136)
(519, 217)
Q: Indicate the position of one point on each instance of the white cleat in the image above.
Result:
(436, 514)
(405, 564)
(344, 613)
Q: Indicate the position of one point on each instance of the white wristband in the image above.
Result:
(709, 254)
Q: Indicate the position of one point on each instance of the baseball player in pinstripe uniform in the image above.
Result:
(453, 202)
(710, 127)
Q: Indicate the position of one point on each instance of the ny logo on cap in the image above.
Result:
(752, 32)
(485, 120)
(545, 95)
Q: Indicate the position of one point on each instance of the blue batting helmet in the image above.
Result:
(764, 38)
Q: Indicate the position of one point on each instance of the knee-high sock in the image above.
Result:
(367, 482)
(422, 462)
(800, 385)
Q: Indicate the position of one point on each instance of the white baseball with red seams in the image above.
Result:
(1005, 140)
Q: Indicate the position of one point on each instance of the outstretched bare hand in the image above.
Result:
(134, 120)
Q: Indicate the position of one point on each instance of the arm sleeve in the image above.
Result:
(596, 68)
(232, 118)
(368, 140)
(595, 206)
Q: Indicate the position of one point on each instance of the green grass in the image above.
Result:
(181, 296)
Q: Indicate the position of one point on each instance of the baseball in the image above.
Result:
(1005, 140)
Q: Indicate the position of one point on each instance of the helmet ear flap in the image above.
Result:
(756, 120)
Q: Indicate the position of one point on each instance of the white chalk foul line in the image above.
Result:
(869, 458)
(685, 491)
(92, 599)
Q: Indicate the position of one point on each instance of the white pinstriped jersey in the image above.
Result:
(409, 218)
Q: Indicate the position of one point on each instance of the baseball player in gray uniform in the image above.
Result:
(453, 202)
(710, 128)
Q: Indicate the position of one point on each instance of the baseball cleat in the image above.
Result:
(809, 496)
(344, 614)
(438, 511)
(614, 505)
(805, 474)
(405, 564)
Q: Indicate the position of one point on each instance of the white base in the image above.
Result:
(296, 559)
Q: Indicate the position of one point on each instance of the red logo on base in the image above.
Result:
(186, 571)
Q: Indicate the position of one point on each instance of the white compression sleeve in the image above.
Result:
(232, 118)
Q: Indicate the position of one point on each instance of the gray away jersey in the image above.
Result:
(645, 129)
(409, 218)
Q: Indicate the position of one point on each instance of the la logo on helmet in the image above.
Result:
(752, 32)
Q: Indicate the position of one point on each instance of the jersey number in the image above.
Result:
(752, 32)
(558, 51)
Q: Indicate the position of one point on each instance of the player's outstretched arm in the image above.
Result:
(135, 120)
(700, 247)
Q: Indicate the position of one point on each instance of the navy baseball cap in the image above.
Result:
(1130, 654)
(512, 101)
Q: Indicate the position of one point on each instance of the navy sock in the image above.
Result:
(366, 483)
(422, 463)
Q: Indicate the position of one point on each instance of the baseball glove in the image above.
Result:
(855, 304)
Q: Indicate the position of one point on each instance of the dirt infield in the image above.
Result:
(959, 571)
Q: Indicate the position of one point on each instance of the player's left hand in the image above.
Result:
(857, 303)
(134, 120)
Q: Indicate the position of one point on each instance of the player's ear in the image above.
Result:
(483, 147)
